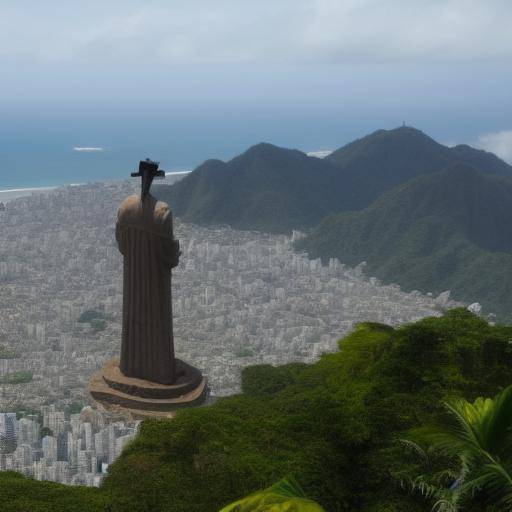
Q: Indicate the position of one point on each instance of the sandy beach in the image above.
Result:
(7, 195)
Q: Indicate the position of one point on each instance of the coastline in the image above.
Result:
(9, 194)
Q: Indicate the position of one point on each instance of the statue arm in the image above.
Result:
(172, 253)
(120, 238)
(171, 246)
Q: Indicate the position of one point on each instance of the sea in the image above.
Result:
(46, 145)
(38, 169)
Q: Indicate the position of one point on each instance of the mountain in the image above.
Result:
(446, 230)
(266, 188)
(269, 188)
(385, 158)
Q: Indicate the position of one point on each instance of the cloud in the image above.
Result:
(321, 153)
(86, 149)
(499, 143)
(229, 31)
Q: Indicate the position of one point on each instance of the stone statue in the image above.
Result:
(145, 238)
(147, 377)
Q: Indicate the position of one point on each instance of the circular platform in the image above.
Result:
(113, 389)
(187, 379)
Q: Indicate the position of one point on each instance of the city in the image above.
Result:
(239, 299)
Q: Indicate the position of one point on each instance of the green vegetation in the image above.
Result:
(21, 377)
(21, 494)
(476, 447)
(447, 230)
(89, 316)
(22, 411)
(75, 408)
(285, 496)
(5, 353)
(45, 431)
(99, 324)
(266, 380)
(244, 352)
(334, 425)
(96, 319)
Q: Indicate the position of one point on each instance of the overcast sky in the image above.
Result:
(305, 73)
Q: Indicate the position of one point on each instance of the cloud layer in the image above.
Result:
(117, 33)
(321, 153)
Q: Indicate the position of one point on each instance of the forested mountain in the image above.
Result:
(385, 158)
(275, 189)
(266, 188)
(447, 230)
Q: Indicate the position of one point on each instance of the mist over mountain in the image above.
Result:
(275, 189)
(446, 230)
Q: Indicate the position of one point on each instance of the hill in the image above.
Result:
(333, 425)
(266, 188)
(447, 230)
(378, 162)
(275, 189)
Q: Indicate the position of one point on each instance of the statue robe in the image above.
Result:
(145, 238)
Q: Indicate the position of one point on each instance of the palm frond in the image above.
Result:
(285, 495)
(480, 439)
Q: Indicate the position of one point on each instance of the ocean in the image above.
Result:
(38, 146)
(73, 164)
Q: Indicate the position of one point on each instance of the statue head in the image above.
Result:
(148, 170)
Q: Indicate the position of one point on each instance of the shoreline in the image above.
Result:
(9, 194)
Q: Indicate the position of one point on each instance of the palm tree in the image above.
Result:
(286, 495)
(479, 442)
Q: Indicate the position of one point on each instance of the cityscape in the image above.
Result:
(240, 298)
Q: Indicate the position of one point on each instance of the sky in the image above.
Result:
(186, 81)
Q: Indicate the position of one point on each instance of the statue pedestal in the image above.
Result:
(140, 399)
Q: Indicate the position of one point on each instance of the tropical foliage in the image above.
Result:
(477, 443)
(285, 496)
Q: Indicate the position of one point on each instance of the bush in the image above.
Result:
(21, 377)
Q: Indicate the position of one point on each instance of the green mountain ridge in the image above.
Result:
(274, 189)
(447, 230)
(380, 161)
(263, 189)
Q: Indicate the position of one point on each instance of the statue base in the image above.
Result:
(138, 398)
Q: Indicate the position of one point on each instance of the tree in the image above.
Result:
(477, 446)
(45, 431)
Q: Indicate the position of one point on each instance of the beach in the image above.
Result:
(9, 194)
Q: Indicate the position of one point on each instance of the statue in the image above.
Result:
(145, 238)
(147, 379)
